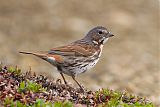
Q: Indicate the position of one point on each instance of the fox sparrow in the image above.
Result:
(79, 56)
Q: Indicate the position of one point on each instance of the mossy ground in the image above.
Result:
(28, 90)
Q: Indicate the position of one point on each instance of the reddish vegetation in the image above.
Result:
(27, 88)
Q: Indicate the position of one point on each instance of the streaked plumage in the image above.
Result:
(79, 56)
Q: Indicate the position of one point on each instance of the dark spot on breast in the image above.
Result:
(83, 66)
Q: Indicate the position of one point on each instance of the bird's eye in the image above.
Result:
(100, 32)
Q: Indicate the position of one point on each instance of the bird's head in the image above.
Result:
(98, 35)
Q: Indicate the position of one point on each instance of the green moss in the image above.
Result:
(30, 86)
(63, 104)
(8, 102)
(0, 67)
(38, 103)
(109, 98)
(19, 104)
(14, 70)
(42, 103)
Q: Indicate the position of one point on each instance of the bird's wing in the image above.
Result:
(72, 49)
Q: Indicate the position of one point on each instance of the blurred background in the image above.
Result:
(129, 60)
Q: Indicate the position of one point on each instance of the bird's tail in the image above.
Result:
(26, 52)
(32, 53)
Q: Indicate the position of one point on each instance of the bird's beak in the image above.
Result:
(109, 34)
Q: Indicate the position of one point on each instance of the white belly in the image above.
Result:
(80, 69)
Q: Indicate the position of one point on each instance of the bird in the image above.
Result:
(76, 57)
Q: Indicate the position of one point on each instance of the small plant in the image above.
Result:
(22, 87)
(30, 86)
(19, 104)
(42, 103)
(111, 98)
(0, 67)
(63, 104)
(14, 70)
(34, 87)
(8, 102)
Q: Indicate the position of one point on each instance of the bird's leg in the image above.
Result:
(73, 77)
(63, 78)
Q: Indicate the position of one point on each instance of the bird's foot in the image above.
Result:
(81, 89)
